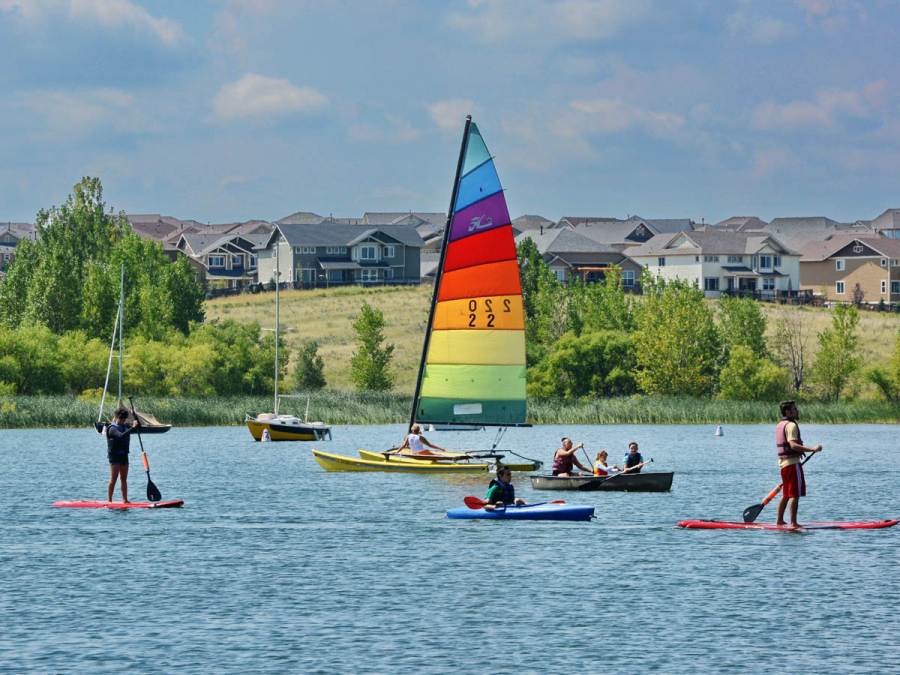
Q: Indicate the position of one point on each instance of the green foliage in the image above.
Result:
(837, 361)
(747, 377)
(887, 380)
(370, 362)
(593, 364)
(603, 305)
(677, 343)
(545, 301)
(742, 322)
(309, 372)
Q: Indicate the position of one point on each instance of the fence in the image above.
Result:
(300, 285)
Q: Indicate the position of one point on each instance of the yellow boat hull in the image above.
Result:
(444, 458)
(331, 462)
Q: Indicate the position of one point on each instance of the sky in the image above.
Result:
(231, 110)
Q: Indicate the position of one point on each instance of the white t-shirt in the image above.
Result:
(415, 442)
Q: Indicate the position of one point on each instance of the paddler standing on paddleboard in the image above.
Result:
(790, 452)
(117, 442)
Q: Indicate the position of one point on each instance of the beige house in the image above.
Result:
(852, 269)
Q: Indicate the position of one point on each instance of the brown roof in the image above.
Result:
(822, 250)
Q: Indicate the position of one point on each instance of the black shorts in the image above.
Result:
(117, 458)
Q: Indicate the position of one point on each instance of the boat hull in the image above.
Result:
(725, 525)
(444, 458)
(282, 432)
(656, 481)
(332, 462)
(536, 512)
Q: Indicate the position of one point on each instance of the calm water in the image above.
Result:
(274, 565)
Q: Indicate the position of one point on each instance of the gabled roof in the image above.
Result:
(575, 221)
(19, 230)
(341, 234)
(300, 217)
(564, 240)
(708, 243)
(741, 223)
(203, 243)
(888, 220)
(822, 250)
(666, 224)
(396, 217)
(799, 232)
(532, 222)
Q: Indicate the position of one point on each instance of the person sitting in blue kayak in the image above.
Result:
(633, 461)
(501, 492)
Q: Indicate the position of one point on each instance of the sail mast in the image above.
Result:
(277, 317)
(121, 321)
(440, 268)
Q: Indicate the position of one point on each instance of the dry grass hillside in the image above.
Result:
(327, 316)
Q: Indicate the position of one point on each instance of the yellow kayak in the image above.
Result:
(443, 458)
(332, 462)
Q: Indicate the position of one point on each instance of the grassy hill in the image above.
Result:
(327, 315)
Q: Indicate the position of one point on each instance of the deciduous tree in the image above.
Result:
(838, 360)
(369, 367)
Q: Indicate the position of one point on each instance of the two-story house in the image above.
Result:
(622, 234)
(723, 262)
(10, 236)
(223, 261)
(853, 269)
(330, 253)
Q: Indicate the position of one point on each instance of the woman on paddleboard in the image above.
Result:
(117, 442)
(564, 459)
(790, 452)
(501, 492)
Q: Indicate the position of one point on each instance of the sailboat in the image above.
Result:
(472, 370)
(275, 427)
(149, 424)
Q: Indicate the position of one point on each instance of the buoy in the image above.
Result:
(719, 430)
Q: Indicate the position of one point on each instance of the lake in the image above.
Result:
(274, 565)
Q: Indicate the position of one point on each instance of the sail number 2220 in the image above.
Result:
(487, 309)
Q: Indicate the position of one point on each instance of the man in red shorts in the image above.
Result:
(790, 452)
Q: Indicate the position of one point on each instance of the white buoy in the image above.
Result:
(719, 431)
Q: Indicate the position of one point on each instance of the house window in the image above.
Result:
(858, 248)
(777, 260)
(237, 261)
(884, 262)
(310, 250)
(367, 252)
(217, 261)
(661, 262)
(710, 258)
(768, 284)
(839, 287)
(883, 286)
(895, 286)
(389, 273)
(368, 275)
(252, 261)
(696, 258)
(560, 275)
(765, 262)
(390, 251)
(628, 278)
(336, 250)
(711, 283)
(839, 265)
(735, 258)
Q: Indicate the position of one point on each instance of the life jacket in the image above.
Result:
(600, 470)
(781, 441)
(507, 491)
(563, 464)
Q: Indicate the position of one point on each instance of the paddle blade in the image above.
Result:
(474, 502)
(751, 513)
(153, 494)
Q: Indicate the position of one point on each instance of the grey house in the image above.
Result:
(333, 253)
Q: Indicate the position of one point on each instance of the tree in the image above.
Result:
(887, 380)
(837, 360)
(742, 322)
(677, 344)
(747, 377)
(370, 363)
(604, 305)
(592, 364)
(789, 343)
(309, 371)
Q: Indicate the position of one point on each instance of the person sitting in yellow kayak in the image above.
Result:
(501, 492)
(415, 442)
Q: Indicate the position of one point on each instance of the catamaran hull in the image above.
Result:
(281, 432)
(441, 458)
(332, 462)
(638, 482)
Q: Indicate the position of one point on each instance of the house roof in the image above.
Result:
(202, 243)
(741, 223)
(393, 217)
(564, 240)
(666, 224)
(532, 222)
(300, 217)
(708, 242)
(330, 233)
(822, 250)
(799, 232)
(19, 230)
(888, 220)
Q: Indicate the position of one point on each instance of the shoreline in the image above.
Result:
(350, 408)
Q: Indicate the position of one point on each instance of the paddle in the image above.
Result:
(751, 513)
(589, 485)
(153, 493)
(476, 503)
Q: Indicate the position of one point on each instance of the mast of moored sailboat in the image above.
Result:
(277, 317)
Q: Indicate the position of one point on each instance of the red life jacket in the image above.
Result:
(782, 443)
(563, 464)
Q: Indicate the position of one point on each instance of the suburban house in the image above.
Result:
(331, 253)
(755, 264)
(10, 236)
(887, 224)
(852, 269)
(168, 230)
(222, 261)
(571, 255)
(800, 232)
(624, 233)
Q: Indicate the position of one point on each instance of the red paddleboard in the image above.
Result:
(88, 504)
(725, 525)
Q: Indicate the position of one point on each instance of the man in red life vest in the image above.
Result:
(790, 452)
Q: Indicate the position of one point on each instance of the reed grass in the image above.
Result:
(337, 407)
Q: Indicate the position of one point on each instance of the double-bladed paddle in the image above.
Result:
(153, 493)
(751, 513)
(476, 503)
(591, 484)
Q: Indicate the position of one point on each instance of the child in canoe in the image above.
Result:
(601, 468)
(501, 492)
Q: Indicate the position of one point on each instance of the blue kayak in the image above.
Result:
(527, 512)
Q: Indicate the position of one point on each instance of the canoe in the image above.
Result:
(726, 525)
(332, 462)
(650, 481)
(93, 504)
(447, 457)
(535, 512)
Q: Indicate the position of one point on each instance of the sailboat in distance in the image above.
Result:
(472, 370)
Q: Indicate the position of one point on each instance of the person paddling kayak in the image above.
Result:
(117, 442)
(564, 459)
(790, 452)
(501, 492)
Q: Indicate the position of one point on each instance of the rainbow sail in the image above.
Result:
(473, 367)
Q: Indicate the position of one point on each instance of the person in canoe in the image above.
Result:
(790, 452)
(501, 492)
(415, 442)
(601, 468)
(634, 461)
(117, 442)
(564, 459)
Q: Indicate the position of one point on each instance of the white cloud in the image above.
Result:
(827, 109)
(613, 115)
(112, 14)
(450, 113)
(526, 20)
(81, 112)
(257, 96)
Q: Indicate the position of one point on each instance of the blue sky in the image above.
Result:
(232, 110)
